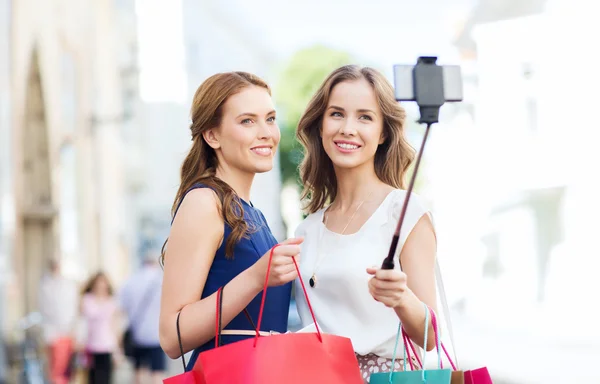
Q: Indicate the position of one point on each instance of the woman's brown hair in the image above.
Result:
(89, 286)
(200, 165)
(392, 158)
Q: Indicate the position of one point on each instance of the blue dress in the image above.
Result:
(246, 252)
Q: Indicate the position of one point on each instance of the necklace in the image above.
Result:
(313, 279)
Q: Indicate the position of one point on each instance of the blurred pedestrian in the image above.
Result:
(57, 301)
(99, 309)
(140, 300)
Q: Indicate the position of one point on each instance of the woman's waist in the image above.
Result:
(377, 343)
(247, 332)
(368, 334)
(229, 336)
(245, 325)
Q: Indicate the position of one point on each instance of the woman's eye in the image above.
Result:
(367, 117)
(336, 114)
(271, 119)
(247, 121)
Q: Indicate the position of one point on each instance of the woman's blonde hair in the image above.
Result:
(392, 158)
(200, 165)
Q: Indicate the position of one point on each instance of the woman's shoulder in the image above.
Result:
(415, 202)
(417, 208)
(309, 222)
(201, 203)
(199, 197)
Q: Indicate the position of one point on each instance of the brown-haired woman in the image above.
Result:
(356, 157)
(218, 238)
(100, 310)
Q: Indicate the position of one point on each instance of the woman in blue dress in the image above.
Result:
(218, 239)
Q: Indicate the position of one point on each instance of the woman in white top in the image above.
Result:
(356, 157)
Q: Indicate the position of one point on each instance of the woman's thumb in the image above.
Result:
(293, 240)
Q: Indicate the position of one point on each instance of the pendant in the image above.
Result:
(312, 281)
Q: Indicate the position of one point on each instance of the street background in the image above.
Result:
(94, 118)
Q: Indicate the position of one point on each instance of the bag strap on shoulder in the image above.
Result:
(445, 307)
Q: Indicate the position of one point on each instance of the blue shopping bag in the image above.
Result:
(422, 376)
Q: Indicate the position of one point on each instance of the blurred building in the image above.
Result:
(4, 174)
(64, 81)
(534, 133)
(517, 186)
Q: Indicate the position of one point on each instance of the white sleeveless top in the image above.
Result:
(341, 300)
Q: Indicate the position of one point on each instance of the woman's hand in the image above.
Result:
(282, 265)
(388, 286)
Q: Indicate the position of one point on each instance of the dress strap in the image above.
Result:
(195, 186)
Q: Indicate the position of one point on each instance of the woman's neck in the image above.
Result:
(354, 186)
(240, 182)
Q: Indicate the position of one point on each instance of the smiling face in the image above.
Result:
(353, 120)
(247, 136)
(352, 126)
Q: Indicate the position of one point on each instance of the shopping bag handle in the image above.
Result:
(406, 352)
(219, 316)
(218, 326)
(436, 334)
(407, 342)
(264, 296)
(446, 309)
(439, 344)
(180, 343)
(219, 320)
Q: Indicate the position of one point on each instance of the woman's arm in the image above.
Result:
(418, 263)
(196, 234)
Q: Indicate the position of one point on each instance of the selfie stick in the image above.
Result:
(428, 81)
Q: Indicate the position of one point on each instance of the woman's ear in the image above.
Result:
(211, 138)
(383, 137)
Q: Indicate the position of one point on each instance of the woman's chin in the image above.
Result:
(346, 163)
(262, 168)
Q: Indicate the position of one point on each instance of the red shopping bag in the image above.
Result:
(190, 377)
(187, 377)
(478, 376)
(291, 358)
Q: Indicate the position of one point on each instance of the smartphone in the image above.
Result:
(405, 88)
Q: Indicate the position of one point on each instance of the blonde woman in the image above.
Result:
(356, 158)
